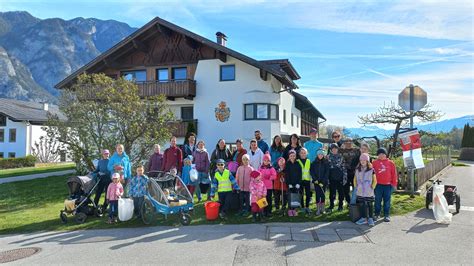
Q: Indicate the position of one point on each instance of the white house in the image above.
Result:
(223, 93)
(21, 125)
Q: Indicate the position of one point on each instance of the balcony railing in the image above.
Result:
(171, 88)
(180, 128)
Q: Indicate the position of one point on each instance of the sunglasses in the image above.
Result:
(220, 164)
(336, 136)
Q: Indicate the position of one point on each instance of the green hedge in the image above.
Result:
(27, 161)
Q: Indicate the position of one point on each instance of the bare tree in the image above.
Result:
(395, 115)
(47, 150)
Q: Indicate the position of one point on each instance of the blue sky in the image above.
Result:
(352, 56)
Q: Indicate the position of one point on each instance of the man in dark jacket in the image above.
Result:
(320, 176)
(103, 176)
(262, 145)
(173, 157)
(337, 177)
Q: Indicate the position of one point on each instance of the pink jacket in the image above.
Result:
(114, 191)
(243, 177)
(257, 190)
(268, 175)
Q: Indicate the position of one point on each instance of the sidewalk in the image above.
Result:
(34, 176)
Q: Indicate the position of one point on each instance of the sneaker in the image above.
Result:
(221, 215)
(371, 222)
(307, 211)
(290, 213)
(254, 218)
(339, 208)
(376, 217)
(386, 219)
(329, 210)
(318, 211)
(245, 213)
(295, 213)
(361, 221)
(110, 221)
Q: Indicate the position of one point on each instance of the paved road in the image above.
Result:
(35, 176)
(414, 239)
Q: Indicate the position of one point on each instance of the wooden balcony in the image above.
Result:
(180, 128)
(172, 89)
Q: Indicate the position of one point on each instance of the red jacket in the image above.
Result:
(173, 157)
(386, 172)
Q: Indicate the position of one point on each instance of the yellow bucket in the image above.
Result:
(262, 203)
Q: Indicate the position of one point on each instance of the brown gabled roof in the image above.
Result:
(32, 112)
(285, 65)
(303, 104)
(278, 73)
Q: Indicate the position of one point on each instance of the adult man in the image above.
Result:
(173, 157)
(262, 145)
(313, 145)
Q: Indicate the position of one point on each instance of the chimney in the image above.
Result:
(221, 38)
(45, 106)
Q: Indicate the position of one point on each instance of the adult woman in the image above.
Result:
(276, 150)
(189, 145)
(120, 163)
(295, 145)
(156, 160)
(239, 152)
(221, 152)
(201, 160)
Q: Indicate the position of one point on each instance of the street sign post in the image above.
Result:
(412, 99)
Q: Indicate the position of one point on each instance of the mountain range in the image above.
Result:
(434, 127)
(36, 53)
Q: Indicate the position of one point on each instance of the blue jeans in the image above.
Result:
(113, 211)
(383, 192)
(203, 178)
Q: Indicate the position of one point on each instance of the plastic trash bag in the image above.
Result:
(193, 174)
(440, 205)
(125, 209)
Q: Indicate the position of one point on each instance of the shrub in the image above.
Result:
(27, 161)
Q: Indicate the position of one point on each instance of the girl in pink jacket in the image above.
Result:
(243, 180)
(257, 191)
(114, 192)
(268, 175)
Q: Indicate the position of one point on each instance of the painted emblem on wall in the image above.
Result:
(222, 112)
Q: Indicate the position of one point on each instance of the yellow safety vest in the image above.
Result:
(305, 169)
(224, 184)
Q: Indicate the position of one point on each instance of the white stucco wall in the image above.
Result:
(19, 146)
(247, 87)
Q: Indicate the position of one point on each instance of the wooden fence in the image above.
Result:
(424, 174)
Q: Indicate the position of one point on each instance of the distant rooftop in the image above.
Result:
(33, 112)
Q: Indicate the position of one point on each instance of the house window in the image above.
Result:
(297, 122)
(162, 75)
(1, 155)
(284, 117)
(11, 155)
(179, 73)
(2, 135)
(136, 75)
(12, 137)
(261, 111)
(292, 120)
(3, 121)
(227, 73)
(187, 113)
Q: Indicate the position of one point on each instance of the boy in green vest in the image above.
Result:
(224, 182)
(305, 164)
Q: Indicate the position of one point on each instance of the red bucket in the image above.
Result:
(212, 210)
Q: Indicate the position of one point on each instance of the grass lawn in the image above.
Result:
(34, 205)
(38, 169)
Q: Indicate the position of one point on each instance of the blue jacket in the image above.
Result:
(312, 146)
(102, 167)
(262, 145)
(123, 161)
(185, 175)
(275, 154)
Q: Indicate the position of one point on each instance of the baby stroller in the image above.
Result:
(79, 203)
(166, 194)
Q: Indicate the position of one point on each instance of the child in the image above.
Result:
(243, 181)
(279, 186)
(258, 190)
(337, 177)
(185, 174)
(365, 182)
(114, 192)
(386, 174)
(223, 182)
(305, 164)
(293, 178)
(137, 191)
(268, 175)
(320, 176)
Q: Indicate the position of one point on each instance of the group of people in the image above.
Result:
(267, 178)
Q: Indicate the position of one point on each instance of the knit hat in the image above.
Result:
(333, 145)
(255, 174)
(280, 159)
(313, 130)
(320, 151)
(364, 157)
(292, 152)
(267, 157)
(347, 140)
(105, 151)
(220, 161)
(188, 158)
(381, 150)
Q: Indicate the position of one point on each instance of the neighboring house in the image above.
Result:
(21, 126)
(225, 94)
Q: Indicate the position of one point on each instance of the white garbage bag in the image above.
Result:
(193, 174)
(125, 209)
(440, 205)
